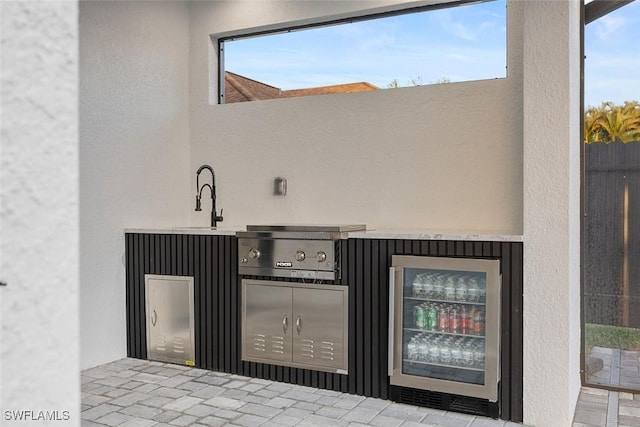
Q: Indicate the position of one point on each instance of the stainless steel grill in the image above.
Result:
(294, 251)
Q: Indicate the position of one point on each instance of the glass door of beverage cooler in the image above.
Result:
(445, 325)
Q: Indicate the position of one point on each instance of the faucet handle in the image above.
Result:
(220, 218)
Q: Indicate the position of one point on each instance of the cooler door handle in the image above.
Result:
(285, 323)
(392, 318)
(154, 318)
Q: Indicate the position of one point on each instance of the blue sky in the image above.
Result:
(457, 44)
(612, 63)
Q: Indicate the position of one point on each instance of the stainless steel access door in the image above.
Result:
(169, 318)
(295, 324)
(267, 324)
(320, 321)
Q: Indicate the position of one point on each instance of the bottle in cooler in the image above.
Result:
(456, 354)
(445, 353)
(412, 349)
(433, 355)
(438, 286)
(473, 290)
(416, 286)
(483, 290)
(423, 349)
(478, 356)
(461, 289)
(449, 289)
(468, 354)
(427, 286)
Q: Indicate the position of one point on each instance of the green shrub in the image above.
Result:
(611, 337)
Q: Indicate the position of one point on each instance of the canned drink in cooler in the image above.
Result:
(478, 321)
(443, 319)
(464, 320)
(454, 320)
(432, 318)
(419, 316)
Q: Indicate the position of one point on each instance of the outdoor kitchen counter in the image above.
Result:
(433, 235)
(210, 231)
(399, 234)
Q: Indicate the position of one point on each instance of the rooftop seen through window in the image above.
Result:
(462, 43)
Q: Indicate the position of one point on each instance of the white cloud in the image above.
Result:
(609, 26)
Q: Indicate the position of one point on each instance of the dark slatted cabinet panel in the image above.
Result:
(211, 261)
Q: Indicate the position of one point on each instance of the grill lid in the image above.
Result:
(299, 231)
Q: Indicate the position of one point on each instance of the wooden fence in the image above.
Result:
(612, 234)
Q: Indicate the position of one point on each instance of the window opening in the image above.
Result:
(413, 47)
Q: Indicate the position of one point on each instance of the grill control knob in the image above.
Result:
(254, 253)
(300, 256)
(321, 256)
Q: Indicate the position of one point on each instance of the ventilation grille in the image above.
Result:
(268, 344)
(448, 402)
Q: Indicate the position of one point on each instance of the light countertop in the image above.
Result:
(216, 231)
(400, 234)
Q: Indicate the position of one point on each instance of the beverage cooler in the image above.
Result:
(444, 328)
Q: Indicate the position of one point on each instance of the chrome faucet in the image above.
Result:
(214, 214)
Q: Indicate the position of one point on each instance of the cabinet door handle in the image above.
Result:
(298, 325)
(285, 323)
(154, 318)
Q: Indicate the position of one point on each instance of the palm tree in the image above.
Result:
(592, 129)
(613, 123)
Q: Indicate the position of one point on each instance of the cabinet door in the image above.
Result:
(169, 308)
(319, 335)
(267, 323)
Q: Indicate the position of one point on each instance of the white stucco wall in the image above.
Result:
(552, 139)
(390, 158)
(134, 149)
(39, 258)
